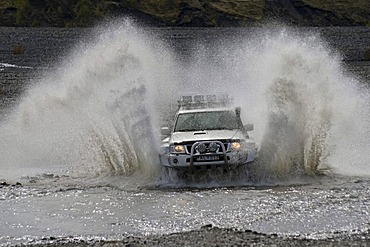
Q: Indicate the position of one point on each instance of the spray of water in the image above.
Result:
(98, 114)
(312, 110)
(91, 116)
(307, 92)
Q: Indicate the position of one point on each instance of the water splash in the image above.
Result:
(304, 90)
(98, 114)
(90, 117)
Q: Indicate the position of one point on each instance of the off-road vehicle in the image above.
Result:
(207, 133)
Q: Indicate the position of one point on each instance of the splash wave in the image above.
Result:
(99, 113)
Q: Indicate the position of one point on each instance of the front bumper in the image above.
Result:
(224, 157)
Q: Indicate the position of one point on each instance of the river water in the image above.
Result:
(71, 100)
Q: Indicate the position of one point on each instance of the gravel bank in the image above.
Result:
(214, 236)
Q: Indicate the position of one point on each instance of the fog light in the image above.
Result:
(202, 148)
(175, 160)
(213, 147)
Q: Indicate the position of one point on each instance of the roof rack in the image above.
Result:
(200, 101)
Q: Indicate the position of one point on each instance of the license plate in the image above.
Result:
(208, 158)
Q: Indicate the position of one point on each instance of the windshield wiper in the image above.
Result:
(187, 130)
(221, 128)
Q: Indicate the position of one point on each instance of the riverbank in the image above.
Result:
(221, 13)
(214, 236)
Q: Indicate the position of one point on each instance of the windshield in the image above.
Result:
(215, 120)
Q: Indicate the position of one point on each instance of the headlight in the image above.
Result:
(236, 146)
(179, 149)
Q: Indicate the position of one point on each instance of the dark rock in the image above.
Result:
(4, 184)
(19, 49)
(207, 226)
(367, 55)
(48, 175)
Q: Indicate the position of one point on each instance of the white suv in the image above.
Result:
(206, 134)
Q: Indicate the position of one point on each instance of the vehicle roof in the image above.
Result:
(181, 111)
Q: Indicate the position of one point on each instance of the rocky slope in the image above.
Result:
(72, 13)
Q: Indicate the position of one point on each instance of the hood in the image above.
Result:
(206, 135)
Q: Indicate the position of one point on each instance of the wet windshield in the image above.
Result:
(215, 120)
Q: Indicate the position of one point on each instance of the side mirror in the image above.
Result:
(248, 127)
(165, 131)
